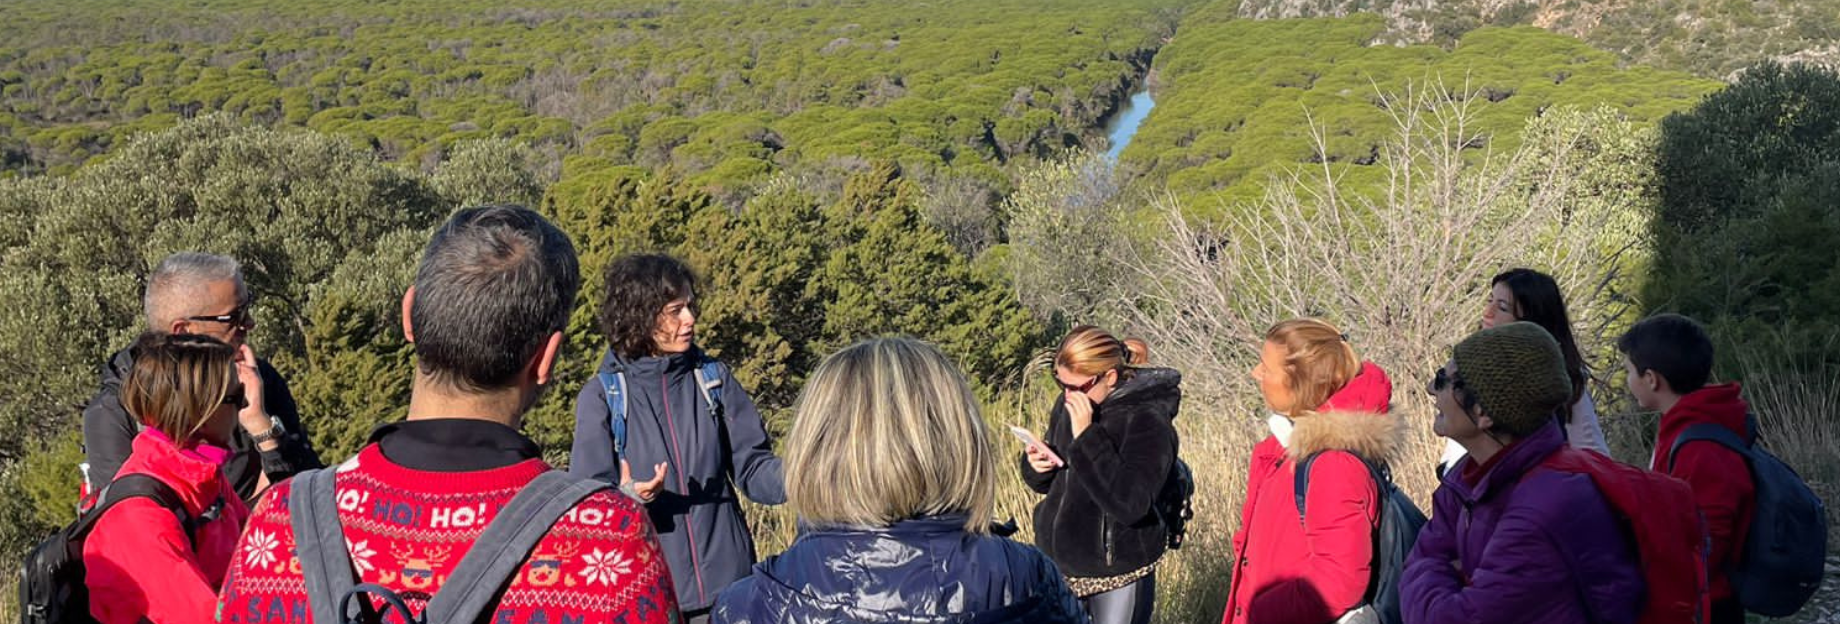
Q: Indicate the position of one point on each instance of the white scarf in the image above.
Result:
(1281, 427)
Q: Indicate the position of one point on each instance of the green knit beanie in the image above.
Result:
(1516, 373)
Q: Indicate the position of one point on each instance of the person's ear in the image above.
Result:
(1111, 377)
(545, 361)
(1656, 383)
(408, 303)
(179, 327)
(1483, 421)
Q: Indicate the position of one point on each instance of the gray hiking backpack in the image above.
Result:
(472, 589)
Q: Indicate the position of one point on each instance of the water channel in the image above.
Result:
(1123, 124)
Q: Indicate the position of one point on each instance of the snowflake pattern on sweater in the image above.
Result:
(407, 529)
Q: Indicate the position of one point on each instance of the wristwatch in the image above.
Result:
(275, 431)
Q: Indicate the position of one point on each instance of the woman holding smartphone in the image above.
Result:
(1112, 432)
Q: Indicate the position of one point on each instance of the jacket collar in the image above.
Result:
(453, 445)
(1358, 418)
(1152, 390)
(195, 473)
(1722, 405)
(1510, 465)
(612, 362)
(912, 527)
(117, 368)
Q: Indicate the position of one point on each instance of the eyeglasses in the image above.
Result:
(1443, 380)
(1082, 387)
(234, 396)
(239, 317)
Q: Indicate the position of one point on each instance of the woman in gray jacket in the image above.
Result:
(673, 428)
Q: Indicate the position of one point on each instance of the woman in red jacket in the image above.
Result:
(1327, 403)
(141, 562)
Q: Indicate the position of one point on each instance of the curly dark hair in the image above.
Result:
(636, 287)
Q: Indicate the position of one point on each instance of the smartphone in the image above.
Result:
(1028, 439)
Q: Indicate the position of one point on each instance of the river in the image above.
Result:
(1123, 124)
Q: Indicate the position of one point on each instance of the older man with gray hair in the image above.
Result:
(198, 293)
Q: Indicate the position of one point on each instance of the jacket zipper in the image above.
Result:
(1463, 530)
(1106, 528)
(696, 567)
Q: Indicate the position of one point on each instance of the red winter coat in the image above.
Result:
(1721, 482)
(139, 561)
(1284, 571)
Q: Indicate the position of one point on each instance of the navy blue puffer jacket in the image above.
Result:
(927, 570)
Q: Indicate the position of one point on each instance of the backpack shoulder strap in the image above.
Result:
(1301, 482)
(478, 579)
(1712, 433)
(1382, 476)
(320, 543)
(709, 381)
(135, 486)
(613, 390)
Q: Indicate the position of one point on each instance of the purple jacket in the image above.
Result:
(1532, 544)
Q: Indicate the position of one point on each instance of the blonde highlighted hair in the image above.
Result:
(1088, 350)
(178, 381)
(887, 429)
(1317, 359)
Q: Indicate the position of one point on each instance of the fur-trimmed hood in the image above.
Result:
(1358, 419)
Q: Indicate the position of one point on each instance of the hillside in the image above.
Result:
(1707, 37)
(724, 89)
(1237, 99)
(839, 169)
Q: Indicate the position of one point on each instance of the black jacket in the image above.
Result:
(1098, 520)
(108, 433)
(925, 570)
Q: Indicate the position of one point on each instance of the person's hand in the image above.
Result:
(253, 418)
(1039, 458)
(1079, 412)
(647, 490)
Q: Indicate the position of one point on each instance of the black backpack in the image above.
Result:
(472, 590)
(1400, 520)
(1173, 506)
(1784, 555)
(51, 578)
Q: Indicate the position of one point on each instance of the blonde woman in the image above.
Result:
(1110, 448)
(1325, 403)
(144, 562)
(890, 469)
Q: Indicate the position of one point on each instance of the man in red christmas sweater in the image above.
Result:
(486, 315)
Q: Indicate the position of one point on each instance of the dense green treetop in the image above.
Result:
(1237, 99)
(727, 89)
(1749, 184)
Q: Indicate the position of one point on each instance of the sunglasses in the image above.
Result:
(1443, 380)
(1082, 387)
(239, 317)
(234, 397)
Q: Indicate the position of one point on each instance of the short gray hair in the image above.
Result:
(177, 281)
(493, 285)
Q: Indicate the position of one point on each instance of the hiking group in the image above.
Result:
(207, 503)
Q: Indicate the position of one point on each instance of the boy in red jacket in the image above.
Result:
(1668, 358)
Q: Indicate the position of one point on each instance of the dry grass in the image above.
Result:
(1403, 269)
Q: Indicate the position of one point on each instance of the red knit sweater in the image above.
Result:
(406, 530)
